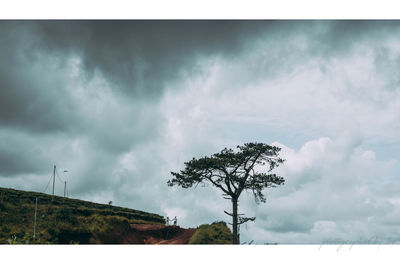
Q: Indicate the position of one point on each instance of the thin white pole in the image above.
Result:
(34, 225)
(54, 179)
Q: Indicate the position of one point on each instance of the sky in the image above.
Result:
(121, 104)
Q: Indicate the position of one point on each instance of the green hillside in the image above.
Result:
(62, 221)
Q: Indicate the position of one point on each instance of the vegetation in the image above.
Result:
(73, 221)
(232, 172)
(215, 233)
(62, 221)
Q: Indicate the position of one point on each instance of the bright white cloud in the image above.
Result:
(331, 193)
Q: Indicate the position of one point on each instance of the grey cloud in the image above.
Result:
(335, 38)
(19, 155)
(286, 223)
(30, 98)
(139, 57)
(136, 57)
(388, 66)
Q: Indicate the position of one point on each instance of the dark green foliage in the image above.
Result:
(216, 233)
(62, 221)
(233, 171)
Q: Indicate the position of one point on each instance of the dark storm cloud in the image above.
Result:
(140, 57)
(137, 57)
(331, 39)
(30, 98)
(342, 33)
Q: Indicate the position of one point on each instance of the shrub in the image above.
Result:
(216, 233)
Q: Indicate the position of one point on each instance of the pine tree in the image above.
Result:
(234, 171)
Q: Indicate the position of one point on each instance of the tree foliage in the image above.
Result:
(234, 171)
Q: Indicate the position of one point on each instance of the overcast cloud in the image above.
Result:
(120, 104)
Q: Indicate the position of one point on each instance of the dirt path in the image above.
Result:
(182, 238)
(160, 234)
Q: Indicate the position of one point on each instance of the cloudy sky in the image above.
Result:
(120, 104)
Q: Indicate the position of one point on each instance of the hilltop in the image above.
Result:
(74, 221)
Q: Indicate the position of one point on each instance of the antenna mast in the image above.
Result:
(54, 179)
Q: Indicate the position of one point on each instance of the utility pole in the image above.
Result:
(65, 185)
(65, 188)
(54, 179)
(34, 224)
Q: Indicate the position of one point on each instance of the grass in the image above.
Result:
(61, 221)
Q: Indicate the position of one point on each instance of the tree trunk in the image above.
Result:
(235, 221)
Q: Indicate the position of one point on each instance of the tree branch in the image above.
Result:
(230, 214)
(217, 185)
(242, 220)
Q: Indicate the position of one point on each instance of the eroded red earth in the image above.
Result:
(146, 234)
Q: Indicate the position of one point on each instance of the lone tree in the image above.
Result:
(232, 172)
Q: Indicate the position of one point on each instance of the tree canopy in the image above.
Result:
(233, 171)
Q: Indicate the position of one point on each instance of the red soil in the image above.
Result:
(146, 234)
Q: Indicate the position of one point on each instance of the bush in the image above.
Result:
(216, 233)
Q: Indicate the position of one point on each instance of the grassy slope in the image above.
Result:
(67, 221)
(63, 220)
